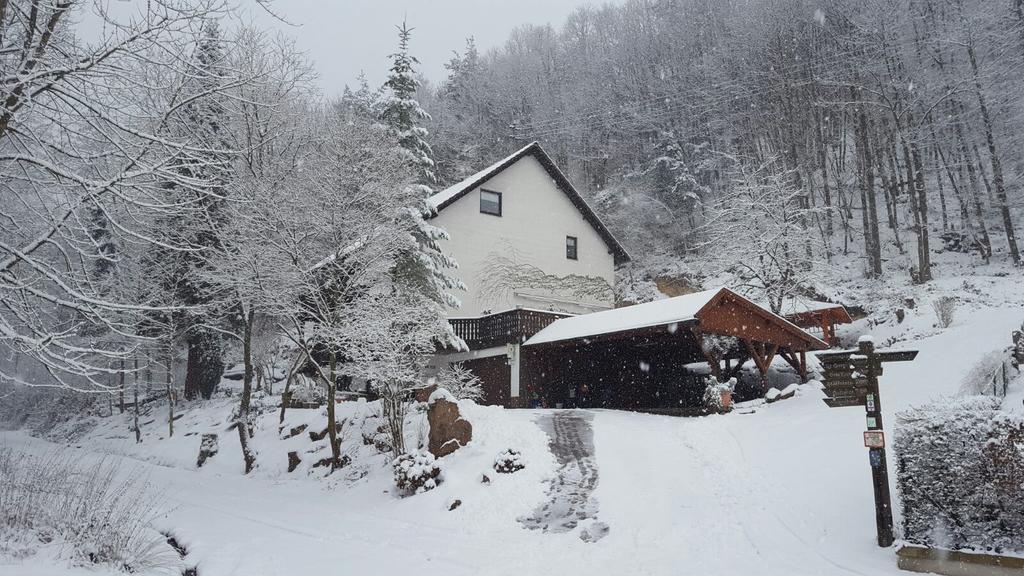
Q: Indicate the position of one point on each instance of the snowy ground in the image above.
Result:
(780, 489)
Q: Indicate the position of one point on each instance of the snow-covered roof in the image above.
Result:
(446, 196)
(798, 306)
(449, 195)
(657, 313)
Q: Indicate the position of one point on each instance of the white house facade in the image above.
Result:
(525, 238)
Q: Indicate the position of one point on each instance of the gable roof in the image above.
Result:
(450, 195)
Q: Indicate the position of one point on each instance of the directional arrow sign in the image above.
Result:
(843, 401)
(845, 381)
(896, 356)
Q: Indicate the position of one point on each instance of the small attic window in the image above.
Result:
(490, 202)
(570, 247)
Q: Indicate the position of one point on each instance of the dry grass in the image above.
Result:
(94, 512)
(944, 310)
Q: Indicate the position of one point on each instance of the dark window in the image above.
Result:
(490, 202)
(570, 247)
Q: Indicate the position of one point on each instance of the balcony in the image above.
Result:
(508, 327)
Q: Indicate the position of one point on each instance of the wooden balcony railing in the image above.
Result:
(509, 327)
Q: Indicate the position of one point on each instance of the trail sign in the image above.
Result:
(851, 379)
(874, 439)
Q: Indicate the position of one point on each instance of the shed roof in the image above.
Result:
(702, 306)
(449, 195)
(657, 313)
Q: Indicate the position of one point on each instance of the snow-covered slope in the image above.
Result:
(782, 489)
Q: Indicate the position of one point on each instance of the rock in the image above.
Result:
(329, 462)
(455, 505)
(448, 430)
(293, 461)
(207, 449)
(423, 394)
(484, 479)
(297, 430)
(317, 436)
(900, 315)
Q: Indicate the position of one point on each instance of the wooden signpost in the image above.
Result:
(851, 379)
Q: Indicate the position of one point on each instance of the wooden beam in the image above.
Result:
(798, 360)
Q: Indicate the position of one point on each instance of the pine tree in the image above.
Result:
(204, 119)
(402, 113)
(362, 103)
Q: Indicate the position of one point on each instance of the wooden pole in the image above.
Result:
(879, 467)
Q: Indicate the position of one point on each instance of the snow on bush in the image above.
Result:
(714, 391)
(460, 381)
(960, 474)
(93, 513)
(509, 461)
(416, 472)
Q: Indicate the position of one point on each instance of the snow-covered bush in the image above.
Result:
(509, 461)
(93, 512)
(416, 472)
(716, 394)
(960, 474)
(944, 309)
(306, 390)
(460, 381)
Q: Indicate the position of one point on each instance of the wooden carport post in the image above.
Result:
(762, 356)
(797, 359)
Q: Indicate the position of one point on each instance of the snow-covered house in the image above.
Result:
(539, 315)
(524, 237)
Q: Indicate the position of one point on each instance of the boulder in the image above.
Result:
(296, 430)
(207, 449)
(423, 394)
(293, 461)
(449, 431)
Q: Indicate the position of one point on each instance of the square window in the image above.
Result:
(570, 247)
(490, 202)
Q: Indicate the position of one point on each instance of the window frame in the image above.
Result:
(500, 202)
(575, 248)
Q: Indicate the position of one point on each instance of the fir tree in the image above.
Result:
(402, 113)
(209, 169)
(362, 103)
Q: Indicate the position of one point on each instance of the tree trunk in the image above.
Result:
(192, 370)
(394, 413)
(332, 427)
(135, 378)
(997, 166)
(243, 422)
(170, 398)
(985, 240)
(120, 399)
(923, 249)
(286, 396)
(870, 208)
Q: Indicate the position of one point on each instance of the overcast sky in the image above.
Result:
(343, 37)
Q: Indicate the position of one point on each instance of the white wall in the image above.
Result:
(536, 218)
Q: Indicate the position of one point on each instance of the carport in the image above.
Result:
(637, 357)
